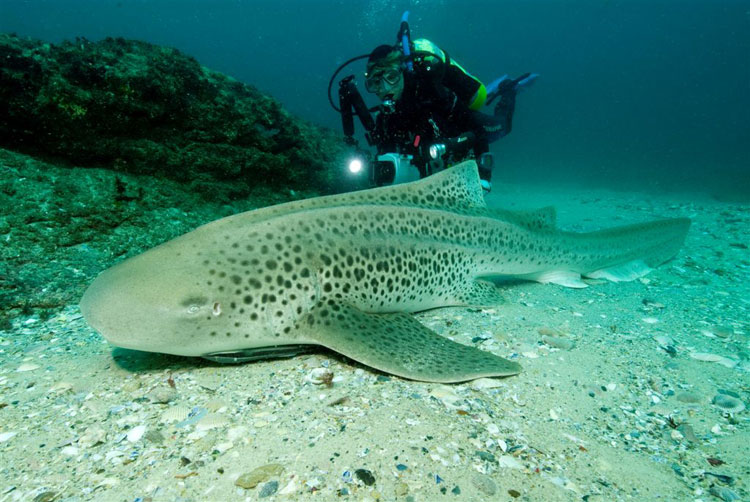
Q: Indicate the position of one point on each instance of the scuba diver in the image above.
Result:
(428, 100)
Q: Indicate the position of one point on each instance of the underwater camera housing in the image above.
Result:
(385, 169)
(411, 160)
(392, 168)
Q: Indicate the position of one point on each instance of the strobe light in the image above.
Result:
(436, 151)
(355, 166)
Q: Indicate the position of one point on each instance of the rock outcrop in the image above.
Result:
(144, 109)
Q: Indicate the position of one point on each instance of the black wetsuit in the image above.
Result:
(434, 105)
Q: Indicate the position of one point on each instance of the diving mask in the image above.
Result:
(378, 79)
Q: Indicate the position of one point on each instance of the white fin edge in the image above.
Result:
(624, 272)
(560, 277)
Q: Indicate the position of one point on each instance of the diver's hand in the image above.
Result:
(505, 96)
(506, 88)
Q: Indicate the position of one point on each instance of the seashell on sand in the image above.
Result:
(706, 356)
(212, 421)
(176, 413)
(664, 340)
(215, 405)
(136, 433)
(319, 376)
(728, 403)
(5, 436)
(714, 358)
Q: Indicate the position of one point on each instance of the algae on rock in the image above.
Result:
(144, 109)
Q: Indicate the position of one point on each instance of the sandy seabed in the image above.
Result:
(630, 391)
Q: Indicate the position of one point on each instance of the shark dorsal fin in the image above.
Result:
(454, 188)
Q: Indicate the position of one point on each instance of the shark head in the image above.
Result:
(181, 298)
(147, 301)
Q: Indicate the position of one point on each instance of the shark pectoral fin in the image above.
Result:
(560, 277)
(624, 272)
(400, 345)
(480, 294)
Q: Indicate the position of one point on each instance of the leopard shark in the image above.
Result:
(346, 272)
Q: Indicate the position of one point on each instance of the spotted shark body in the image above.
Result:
(345, 271)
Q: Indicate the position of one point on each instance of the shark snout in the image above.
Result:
(126, 308)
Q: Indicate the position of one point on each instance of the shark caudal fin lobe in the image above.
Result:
(644, 247)
(617, 254)
(400, 345)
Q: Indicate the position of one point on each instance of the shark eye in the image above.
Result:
(216, 309)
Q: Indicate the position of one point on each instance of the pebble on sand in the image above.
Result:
(259, 475)
(268, 489)
(688, 397)
(365, 476)
(558, 342)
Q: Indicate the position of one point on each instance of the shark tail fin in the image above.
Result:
(640, 246)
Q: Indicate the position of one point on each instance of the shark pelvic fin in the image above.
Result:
(400, 345)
